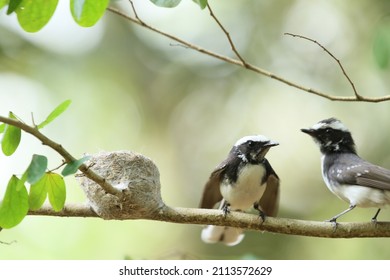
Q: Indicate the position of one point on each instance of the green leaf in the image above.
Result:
(202, 3)
(12, 6)
(55, 113)
(87, 12)
(33, 15)
(38, 193)
(73, 166)
(56, 190)
(36, 169)
(2, 127)
(21, 181)
(14, 206)
(166, 3)
(11, 138)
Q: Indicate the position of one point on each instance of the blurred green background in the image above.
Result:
(135, 90)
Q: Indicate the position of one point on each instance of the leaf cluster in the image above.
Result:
(43, 183)
(34, 15)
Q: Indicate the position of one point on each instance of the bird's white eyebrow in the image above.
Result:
(337, 125)
(255, 138)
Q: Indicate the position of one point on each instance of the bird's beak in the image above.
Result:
(309, 131)
(271, 144)
(265, 148)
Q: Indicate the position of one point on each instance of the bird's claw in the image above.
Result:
(262, 216)
(334, 223)
(226, 209)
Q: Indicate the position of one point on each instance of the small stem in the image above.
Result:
(234, 49)
(58, 167)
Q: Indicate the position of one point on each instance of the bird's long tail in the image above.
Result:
(228, 235)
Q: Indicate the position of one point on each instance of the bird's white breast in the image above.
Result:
(325, 177)
(363, 196)
(242, 194)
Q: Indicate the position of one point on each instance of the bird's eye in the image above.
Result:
(250, 143)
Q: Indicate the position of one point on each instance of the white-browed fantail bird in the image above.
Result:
(243, 180)
(351, 178)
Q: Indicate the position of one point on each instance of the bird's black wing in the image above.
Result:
(211, 193)
(360, 172)
(269, 202)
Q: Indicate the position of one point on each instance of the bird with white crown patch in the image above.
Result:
(243, 180)
(349, 177)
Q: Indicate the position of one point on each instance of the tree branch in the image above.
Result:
(241, 220)
(61, 150)
(241, 62)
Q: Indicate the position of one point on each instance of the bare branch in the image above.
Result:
(61, 150)
(242, 63)
(335, 58)
(242, 220)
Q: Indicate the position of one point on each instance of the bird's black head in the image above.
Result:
(253, 148)
(332, 136)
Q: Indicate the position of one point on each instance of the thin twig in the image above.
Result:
(234, 49)
(58, 167)
(135, 12)
(7, 243)
(61, 150)
(248, 65)
(358, 96)
(33, 120)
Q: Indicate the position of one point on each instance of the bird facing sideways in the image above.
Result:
(349, 177)
(243, 180)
